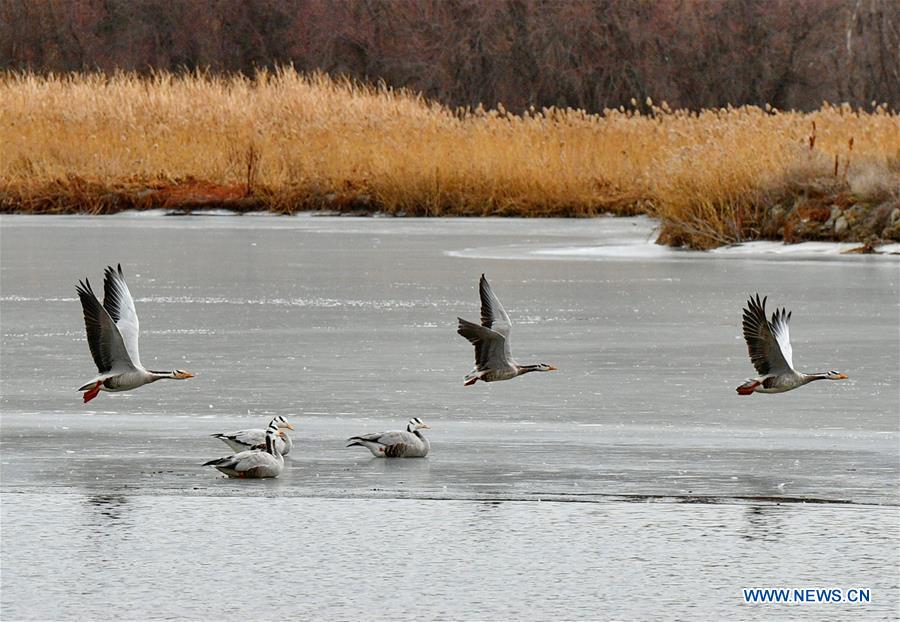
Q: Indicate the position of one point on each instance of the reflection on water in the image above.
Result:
(763, 522)
(112, 507)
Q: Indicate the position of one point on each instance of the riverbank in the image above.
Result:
(285, 142)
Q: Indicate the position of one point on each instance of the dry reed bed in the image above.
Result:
(286, 142)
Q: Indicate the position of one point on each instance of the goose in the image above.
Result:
(112, 334)
(253, 463)
(249, 439)
(493, 359)
(409, 443)
(769, 344)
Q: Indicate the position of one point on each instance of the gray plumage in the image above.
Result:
(409, 443)
(253, 463)
(493, 357)
(769, 347)
(248, 439)
(112, 335)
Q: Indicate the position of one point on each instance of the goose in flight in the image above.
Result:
(112, 334)
(250, 439)
(409, 443)
(493, 359)
(253, 463)
(769, 344)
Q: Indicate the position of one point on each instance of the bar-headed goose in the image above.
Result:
(253, 463)
(112, 334)
(769, 344)
(409, 443)
(493, 359)
(249, 439)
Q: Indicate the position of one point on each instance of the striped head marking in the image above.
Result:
(416, 424)
(281, 422)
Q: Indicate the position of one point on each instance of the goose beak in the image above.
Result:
(290, 427)
(842, 376)
(552, 368)
(427, 427)
(184, 375)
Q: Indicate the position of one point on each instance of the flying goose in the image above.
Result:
(253, 463)
(112, 334)
(249, 439)
(397, 443)
(769, 344)
(493, 359)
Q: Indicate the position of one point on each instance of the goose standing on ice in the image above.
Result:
(410, 443)
(112, 334)
(769, 344)
(493, 359)
(254, 463)
(248, 439)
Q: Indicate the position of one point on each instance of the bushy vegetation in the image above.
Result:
(284, 141)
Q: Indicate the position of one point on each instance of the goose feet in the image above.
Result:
(92, 392)
(748, 387)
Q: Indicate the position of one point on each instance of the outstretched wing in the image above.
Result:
(104, 339)
(493, 315)
(768, 344)
(491, 351)
(119, 304)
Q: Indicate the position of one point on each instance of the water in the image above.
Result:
(633, 483)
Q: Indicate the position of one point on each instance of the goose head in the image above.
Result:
(416, 424)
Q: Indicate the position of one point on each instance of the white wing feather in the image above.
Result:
(118, 302)
(782, 334)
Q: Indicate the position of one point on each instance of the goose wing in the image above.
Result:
(399, 440)
(493, 315)
(250, 438)
(104, 338)
(491, 347)
(395, 437)
(119, 304)
(243, 461)
(769, 344)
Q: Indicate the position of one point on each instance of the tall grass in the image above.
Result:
(286, 142)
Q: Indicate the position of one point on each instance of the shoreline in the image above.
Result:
(832, 219)
(644, 244)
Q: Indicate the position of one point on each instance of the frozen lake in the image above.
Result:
(632, 483)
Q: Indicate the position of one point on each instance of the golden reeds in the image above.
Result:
(285, 141)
